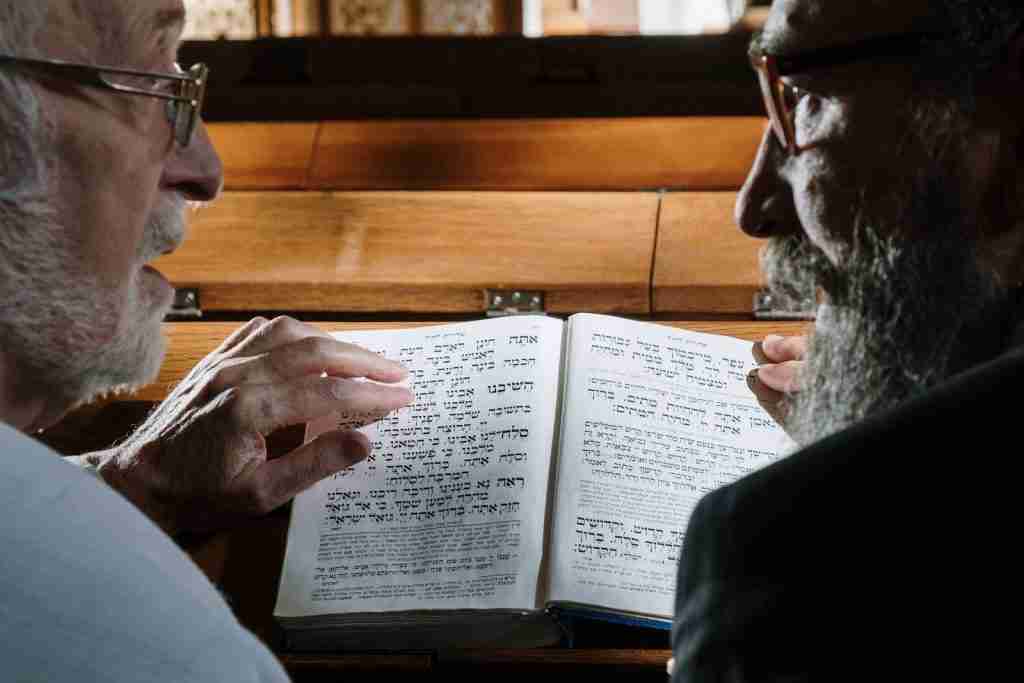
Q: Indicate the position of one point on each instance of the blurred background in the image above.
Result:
(248, 19)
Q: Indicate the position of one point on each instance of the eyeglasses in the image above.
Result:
(781, 98)
(184, 91)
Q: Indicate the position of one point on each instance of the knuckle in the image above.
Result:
(322, 464)
(283, 324)
(334, 389)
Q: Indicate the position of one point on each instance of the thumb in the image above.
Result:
(282, 479)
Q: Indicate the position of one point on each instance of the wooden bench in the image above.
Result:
(699, 263)
(418, 252)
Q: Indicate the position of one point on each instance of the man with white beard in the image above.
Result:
(890, 187)
(96, 165)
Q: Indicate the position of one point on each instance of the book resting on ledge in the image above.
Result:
(544, 466)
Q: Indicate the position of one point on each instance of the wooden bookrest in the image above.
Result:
(419, 252)
(437, 252)
(704, 264)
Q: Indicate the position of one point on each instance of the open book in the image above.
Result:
(544, 464)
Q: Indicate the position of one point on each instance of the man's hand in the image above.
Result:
(199, 462)
(781, 361)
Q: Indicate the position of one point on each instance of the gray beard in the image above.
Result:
(903, 315)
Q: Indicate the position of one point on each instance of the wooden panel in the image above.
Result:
(418, 252)
(191, 342)
(704, 262)
(554, 154)
(272, 156)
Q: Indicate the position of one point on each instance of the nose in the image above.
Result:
(764, 206)
(196, 172)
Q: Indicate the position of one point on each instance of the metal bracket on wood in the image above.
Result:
(186, 305)
(502, 302)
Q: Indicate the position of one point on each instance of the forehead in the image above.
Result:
(801, 25)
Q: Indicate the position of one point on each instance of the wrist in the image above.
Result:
(124, 472)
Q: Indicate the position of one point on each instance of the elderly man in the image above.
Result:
(96, 165)
(890, 187)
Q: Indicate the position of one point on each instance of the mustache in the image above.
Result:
(793, 270)
(165, 227)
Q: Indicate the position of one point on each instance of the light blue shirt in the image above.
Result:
(92, 590)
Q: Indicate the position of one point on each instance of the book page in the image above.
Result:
(448, 511)
(654, 417)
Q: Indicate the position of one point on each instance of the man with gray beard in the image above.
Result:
(101, 146)
(890, 188)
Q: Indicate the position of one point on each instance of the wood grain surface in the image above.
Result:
(265, 156)
(418, 251)
(537, 154)
(693, 153)
(704, 262)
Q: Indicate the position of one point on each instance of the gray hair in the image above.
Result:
(22, 166)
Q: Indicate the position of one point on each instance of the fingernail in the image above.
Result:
(772, 340)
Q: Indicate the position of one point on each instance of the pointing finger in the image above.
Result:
(308, 356)
(266, 408)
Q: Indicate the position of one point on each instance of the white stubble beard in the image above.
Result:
(75, 339)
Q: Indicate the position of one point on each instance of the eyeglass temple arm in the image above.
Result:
(93, 76)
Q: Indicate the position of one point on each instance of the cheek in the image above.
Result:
(108, 210)
(107, 177)
(823, 205)
(824, 178)
(113, 221)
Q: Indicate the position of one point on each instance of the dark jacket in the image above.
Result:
(885, 552)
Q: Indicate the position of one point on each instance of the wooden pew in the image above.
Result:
(265, 156)
(704, 263)
(420, 252)
(433, 252)
(691, 153)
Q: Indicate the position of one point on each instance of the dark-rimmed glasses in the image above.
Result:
(781, 98)
(184, 92)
